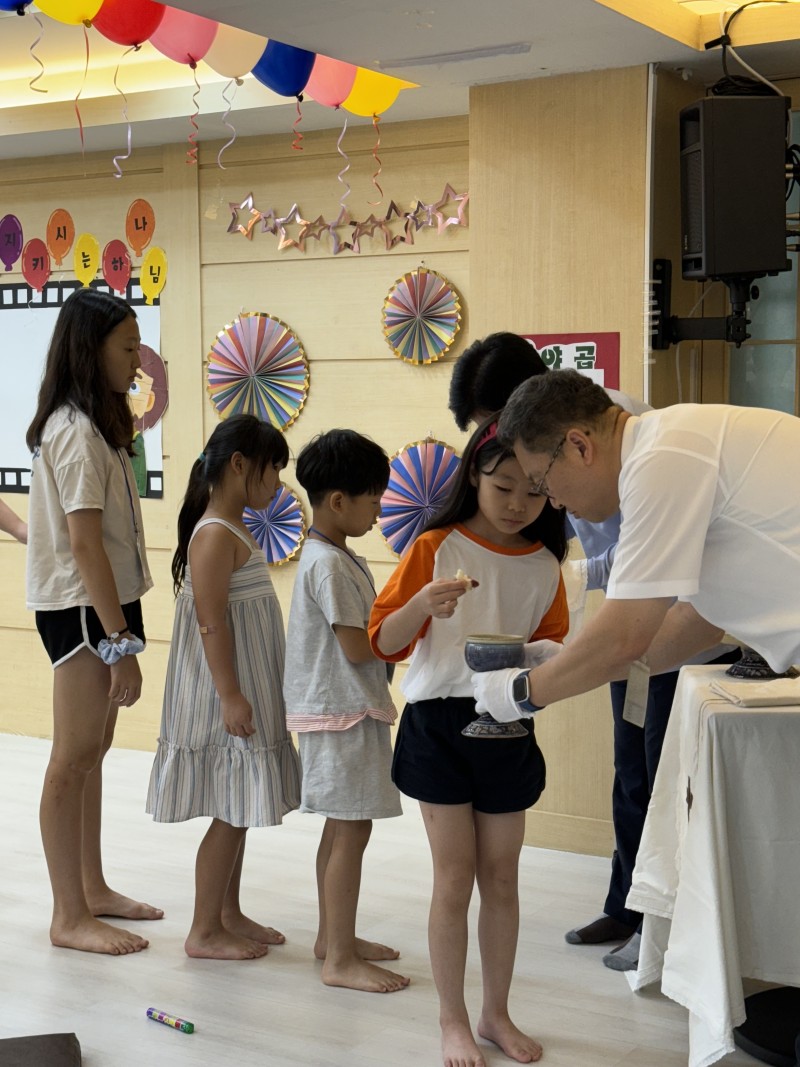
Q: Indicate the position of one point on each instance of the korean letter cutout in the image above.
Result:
(36, 264)
(117, 266)
(140, 223)
(154, 273)
(86, 258)
(60, 234)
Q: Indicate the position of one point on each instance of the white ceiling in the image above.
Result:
(437, 44)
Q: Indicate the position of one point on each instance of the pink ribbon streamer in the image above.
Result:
(298, 137)
(235, 82)
(77, 98)
(191, 153)
(33, 81)
(345, 168)
(127, 155)
(376, 157)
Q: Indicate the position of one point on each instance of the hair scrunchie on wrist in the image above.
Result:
(111, 652)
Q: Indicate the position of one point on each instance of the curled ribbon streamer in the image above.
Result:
(191, 153)
(376, 157)
(127, 155)
(235, 82)
(77, 98)
(32, 83)
(298, 137)
(346, 167)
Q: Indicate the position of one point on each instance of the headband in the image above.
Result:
(489, 435)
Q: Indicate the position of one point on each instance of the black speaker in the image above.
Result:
(733, 186)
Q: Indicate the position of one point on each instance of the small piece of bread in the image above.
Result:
(470, 583)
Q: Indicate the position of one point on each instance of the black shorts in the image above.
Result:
(434, 763)
(67, 631)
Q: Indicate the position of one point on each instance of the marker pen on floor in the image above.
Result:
(170, 1020)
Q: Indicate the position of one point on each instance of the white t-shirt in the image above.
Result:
(75, 469)
(710, 503)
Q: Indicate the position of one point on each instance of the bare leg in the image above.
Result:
(498, 843)
(367, 950)
(101, 898)
(451, 835)
(216, 859)
(340, 885)
(232, 917)
(81, 714)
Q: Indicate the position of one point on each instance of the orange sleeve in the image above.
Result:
(413, 572)
(554, 624)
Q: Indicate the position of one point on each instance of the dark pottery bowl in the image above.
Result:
(492, 652)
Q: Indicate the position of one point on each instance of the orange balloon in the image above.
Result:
(139, 225)
(60, 234)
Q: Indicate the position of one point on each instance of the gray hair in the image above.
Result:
(541, 410)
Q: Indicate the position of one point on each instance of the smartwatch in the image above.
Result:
(520, 691)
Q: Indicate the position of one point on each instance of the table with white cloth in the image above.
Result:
(717, 875)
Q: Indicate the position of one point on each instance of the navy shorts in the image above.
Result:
(68, 630)
(434, 763)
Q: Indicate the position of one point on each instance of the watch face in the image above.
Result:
(519, 689)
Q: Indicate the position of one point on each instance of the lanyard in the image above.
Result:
(130, 498)
(364, 571)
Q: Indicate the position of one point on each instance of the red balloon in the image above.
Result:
(36, 264)
(117, 265)
(128, 22)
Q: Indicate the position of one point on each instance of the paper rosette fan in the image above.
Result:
(421, 316)
(280, 528)
(257, 366)
(420, 478)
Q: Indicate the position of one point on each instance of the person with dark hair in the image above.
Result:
(338, 699)
(473, 793)
(223, 749)
(86, 572)
(487, 374)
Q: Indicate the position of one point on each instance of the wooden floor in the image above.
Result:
(275, 1011)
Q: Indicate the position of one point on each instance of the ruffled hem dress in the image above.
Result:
(199, 769)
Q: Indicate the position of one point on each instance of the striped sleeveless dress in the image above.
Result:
(199, 769)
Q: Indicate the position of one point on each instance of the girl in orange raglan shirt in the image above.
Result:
(472, 792)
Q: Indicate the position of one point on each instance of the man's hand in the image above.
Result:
(539, 652)
(493, 694)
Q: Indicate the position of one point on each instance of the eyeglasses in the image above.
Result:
(540, 487)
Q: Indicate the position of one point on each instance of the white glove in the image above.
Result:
(538, 652)
(493, 694)
(575, 573)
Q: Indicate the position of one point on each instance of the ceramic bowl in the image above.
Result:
(491, 652)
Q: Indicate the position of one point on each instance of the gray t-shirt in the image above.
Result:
(323, 690)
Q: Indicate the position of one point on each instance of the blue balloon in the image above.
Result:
(283, 68)
(14, 5)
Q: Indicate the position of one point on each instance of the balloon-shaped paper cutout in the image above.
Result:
(60, 234)
(10, 240)
(280, 528)
(234, 52)
(86, 258)
(374, 93)
(421, 316)
(257, 366)
(117, 265)
(154, 273)
(36, 264)
(331, 81)
(420, 478)
(129, 22)
(184, 37)
(140, 223)
(73, 12)
(284, 68)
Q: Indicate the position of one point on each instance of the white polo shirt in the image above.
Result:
(710, 503)
(75, 469)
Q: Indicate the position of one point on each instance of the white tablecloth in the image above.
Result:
(718, 871)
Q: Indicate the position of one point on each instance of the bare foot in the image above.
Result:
(91, 935)
(249, 928)
(511, 1040)
(459, 1048)
(121, 907)
(223, 945)
(367, 950)
(358, 974)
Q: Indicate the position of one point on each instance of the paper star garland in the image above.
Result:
(314, 229)
(407, 235)
(269, 223)
(366, 229)
(343, 219)
(255, 215)
(449, 196)
(281, 224)
(420, 215)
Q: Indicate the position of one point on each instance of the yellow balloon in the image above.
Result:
(86, 258)
(154, 273)
(374, 93)
(73, 12)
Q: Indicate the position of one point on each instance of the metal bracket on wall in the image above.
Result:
(668, 329)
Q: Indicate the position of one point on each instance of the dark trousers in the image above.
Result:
(637, 751)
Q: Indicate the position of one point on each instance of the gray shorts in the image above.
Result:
(347, 774)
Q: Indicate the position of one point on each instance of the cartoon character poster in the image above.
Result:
(148, 397)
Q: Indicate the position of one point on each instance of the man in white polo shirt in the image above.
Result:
(710, 504)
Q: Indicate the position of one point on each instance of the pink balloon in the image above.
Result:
(117, 265)
(184, 37)
(331, 81)
(36, 263)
